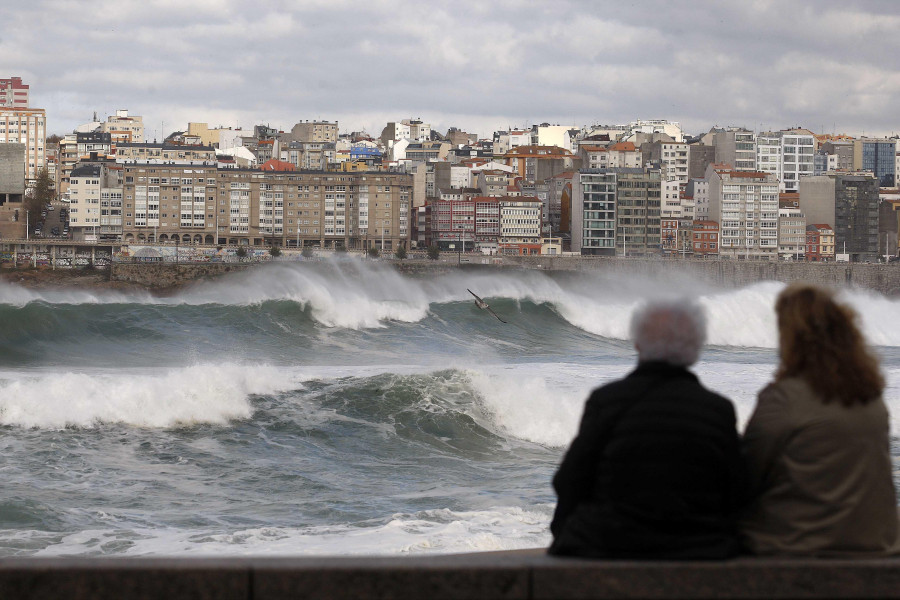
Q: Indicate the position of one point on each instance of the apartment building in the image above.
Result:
(620, 154)
(745, 204)
(162, 151)
(878, 156)
(856, 205)
(494, 182)
(769, 155)
(819, 243)
(172, 202)
(616, 211)
(95, 202)
(673, 160)
(504, 141)
(314, 131)
(468, 224)
(593, 212)
(13, 93)
(791, 234)
(705, 238)
(849, 203)
(798, 149)
(520, 226)
(537, 163)
(734, 146)
(638, 211)
(668, 236)
(124, 128)
(26, 126)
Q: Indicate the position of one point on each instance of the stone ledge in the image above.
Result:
(513, 575)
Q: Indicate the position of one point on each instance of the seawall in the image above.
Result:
(507, 575)
(883, 278)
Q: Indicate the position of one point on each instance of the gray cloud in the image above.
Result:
(479, 66)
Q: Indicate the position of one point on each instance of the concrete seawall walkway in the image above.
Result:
(511, 576)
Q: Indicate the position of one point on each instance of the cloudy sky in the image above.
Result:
(829, 65)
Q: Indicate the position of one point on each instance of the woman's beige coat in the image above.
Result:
(820, 475)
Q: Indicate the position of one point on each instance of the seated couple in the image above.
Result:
(658, 470)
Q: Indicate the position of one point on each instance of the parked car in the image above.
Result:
(55, 231)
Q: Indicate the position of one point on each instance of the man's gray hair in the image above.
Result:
(671, 331)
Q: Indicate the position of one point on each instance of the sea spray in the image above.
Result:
(178, 397)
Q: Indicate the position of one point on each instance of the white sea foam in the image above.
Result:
(439, 531)
(361, 295)
(338, 296)
(16, 295)
(159, 398)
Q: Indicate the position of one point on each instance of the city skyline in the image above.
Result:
(831, 67)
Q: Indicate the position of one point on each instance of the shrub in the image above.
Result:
(434, 252)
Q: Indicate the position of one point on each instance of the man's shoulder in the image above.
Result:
(651, 379)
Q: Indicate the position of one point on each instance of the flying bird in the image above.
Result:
(484, 305)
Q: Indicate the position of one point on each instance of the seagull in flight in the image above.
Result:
(484, 305)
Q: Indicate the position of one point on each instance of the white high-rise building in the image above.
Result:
(745, 204)
(791, 233)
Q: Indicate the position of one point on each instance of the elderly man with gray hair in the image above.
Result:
(655, 471)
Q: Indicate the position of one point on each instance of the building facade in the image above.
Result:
(13, 93)
(26, 126)
(791, 234)
(745, 205)
(819, 243)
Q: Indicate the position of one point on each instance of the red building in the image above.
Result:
(467, 224)
(706, 238)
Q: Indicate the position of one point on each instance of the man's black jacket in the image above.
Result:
(655, 471)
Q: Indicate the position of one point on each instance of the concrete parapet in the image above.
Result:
(501, 575)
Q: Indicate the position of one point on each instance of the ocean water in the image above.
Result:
(333, 407)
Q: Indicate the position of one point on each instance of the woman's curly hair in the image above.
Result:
(820, 343)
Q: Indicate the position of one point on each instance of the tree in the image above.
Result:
(43, 188)
(37, 197)
(241, 253)
(307, 252)
(434, 252)
(400, 253)
(373, 252)
(275, 251)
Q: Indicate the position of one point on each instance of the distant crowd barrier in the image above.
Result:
(528, 575)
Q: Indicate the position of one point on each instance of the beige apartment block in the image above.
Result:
(140, 152)
(123, 128)
(26, 126)
(315, 131)
(170, 202)
(200, 204)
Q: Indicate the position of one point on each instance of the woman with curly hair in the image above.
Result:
(817, 444)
